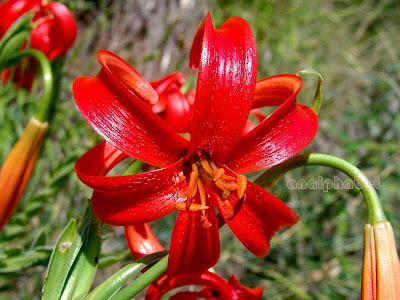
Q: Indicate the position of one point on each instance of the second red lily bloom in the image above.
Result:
(204, 173)
(53, 34)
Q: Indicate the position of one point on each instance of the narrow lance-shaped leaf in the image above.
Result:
(106, 289)
(63, 258)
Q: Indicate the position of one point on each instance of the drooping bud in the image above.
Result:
(381, 268)
(18, 167)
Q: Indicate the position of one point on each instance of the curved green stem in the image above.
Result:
(375, 211)
(48, 81)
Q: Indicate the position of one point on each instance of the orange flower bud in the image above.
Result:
(18, 166)
(381, 269)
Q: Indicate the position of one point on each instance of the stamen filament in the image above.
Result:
(195, 169)
(213, 165)
(192, 184)
(202, 193)
(206, 165)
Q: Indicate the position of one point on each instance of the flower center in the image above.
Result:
(205, 170)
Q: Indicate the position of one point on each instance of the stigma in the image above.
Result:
(205, 171)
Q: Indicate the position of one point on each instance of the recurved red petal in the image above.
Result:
(131, 199)
(287, 131)
(260, 215)
(112, 103)
(227, 61)
(194, 249)
(275, 90)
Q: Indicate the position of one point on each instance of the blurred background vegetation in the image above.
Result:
(353, 44)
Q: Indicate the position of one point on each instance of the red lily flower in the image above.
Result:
(216, 288)
(173, 106)
(197, 175)
(53, 35)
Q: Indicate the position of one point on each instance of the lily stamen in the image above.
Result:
(213, 165)
(206, 166)
(192, 207)
(218, 173)
(226, 185)
(202, 192)
(241, 182)
(205, 222)
(227, 177)
(191, 187)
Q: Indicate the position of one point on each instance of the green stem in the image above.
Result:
(143, 281)
(375, 211)
(47, 82)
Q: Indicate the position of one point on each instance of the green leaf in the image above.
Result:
(17, 263)
(22, 24)
(90, 259)
(143, 281)
(63, 257)
(40, 240)
(316, 104)
(9, 52)
(106, 289)
(112, 258)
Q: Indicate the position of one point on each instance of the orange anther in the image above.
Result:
(192, 207)
(227, 177)
(226, 185)
(206, 223)
(241, 182)
(218, 174)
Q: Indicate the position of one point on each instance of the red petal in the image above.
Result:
(275, 90)
(211, 281)
(243, 292)
(40, 36)
(10, 11)
(63, 30)
(141, 240)
(177, 114)
(194, 249)
(132, 199)
(260, 216)
(287, 131)
(161, 85)
(227, 60)
(110, 104)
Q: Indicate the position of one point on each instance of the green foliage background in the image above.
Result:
(353, 44)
